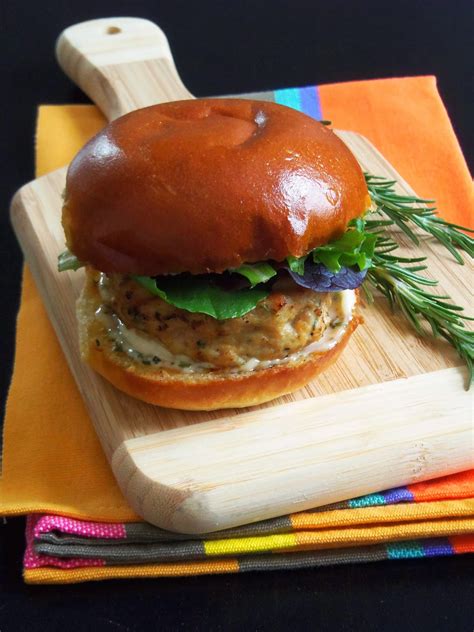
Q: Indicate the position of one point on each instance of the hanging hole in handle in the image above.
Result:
(113, 30)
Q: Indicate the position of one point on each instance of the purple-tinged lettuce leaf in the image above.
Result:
(318, 278)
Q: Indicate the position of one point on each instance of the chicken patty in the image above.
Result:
(289, 319)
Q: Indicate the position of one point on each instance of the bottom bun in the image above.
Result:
(192, 391)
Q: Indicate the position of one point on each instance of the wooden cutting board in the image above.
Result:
(392, 411)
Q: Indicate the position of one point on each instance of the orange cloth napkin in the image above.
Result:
(53, 461)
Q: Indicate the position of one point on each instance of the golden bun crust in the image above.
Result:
(174, 389)
(206, 185)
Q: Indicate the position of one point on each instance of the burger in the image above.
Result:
(223, 242)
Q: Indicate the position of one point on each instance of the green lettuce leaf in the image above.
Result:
(354, 249)
(68, 261)
(202, 295)
(256, 272)
(296, 264)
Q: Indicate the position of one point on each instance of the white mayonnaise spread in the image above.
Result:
(140, 346)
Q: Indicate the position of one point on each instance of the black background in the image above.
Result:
(229, 47)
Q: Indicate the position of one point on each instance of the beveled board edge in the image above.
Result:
(297, 456)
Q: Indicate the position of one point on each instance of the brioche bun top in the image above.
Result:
(206, 185)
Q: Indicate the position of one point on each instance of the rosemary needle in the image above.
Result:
(404, 209)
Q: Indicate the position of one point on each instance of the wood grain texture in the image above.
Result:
(122, 63)
(269, 462)
(393, 410)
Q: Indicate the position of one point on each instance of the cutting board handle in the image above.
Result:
(121, 63)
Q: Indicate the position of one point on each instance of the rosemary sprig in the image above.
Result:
(397, 277)
(404, 209)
